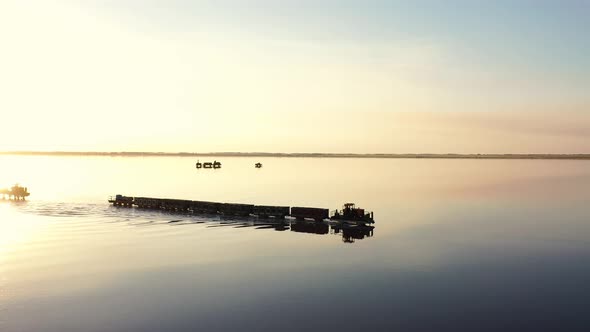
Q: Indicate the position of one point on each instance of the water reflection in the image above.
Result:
(310, 227)
(139, 217)
(348, 232)
(462, 246)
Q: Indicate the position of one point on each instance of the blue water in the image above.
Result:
(458, 245)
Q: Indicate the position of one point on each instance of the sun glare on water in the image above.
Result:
(15, 228)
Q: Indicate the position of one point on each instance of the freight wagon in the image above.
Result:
(316, 214)
(233, 209)
(264, 211)
(205, 207)
(147, 202)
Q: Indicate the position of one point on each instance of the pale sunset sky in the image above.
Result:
(296, 76)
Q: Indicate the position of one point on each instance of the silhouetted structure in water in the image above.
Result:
(351, 213)
(235, 209)
(215, 165)
(351, 223)
(16, 193)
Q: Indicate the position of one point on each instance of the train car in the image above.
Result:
(264, 211)
(204, 207)
(316, 214)
(147, 202)
(234, 209)
(184, 205)
(175, 204)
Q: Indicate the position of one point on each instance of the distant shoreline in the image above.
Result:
(303, 155)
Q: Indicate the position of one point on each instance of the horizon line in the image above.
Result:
(577, 156)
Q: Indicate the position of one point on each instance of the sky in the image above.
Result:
(295, 76)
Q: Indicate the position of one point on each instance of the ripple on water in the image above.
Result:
(79, 220)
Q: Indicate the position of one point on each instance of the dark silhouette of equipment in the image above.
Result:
(16, 193)
(215, 165)
(350, 212)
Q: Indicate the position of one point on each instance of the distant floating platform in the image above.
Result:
(16, 193)
(208, 165)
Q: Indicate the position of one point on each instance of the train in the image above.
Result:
(243, 210)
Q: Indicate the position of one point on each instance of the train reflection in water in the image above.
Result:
(349, 233)
(352, 223)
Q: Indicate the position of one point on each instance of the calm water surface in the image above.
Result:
(458, 245)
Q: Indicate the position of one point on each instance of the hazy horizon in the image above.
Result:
(255, 154)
